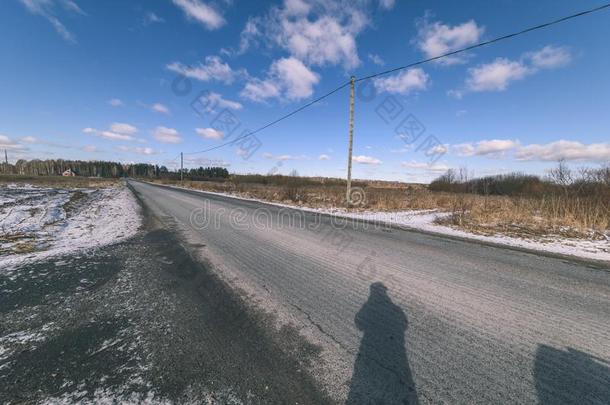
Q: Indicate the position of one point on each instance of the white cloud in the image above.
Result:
(568, 150)
(435, 167)
(323, 157)
(214, 101)
(387, 4)
(8, 143)
(316, 32)
(260, 90)
(492, 147)
(436, 38)
(201, 12)
(118, 132)
(366, 160)
(115, 102)
(496, 76)
(376, 59)
(287, 77)
(210, 133)
(29, 139)
(123, 128)
(296, 7)
(403, 82)
(549, 57)
(160, 108)
(214, 68)
(167, 135)
(47, 9)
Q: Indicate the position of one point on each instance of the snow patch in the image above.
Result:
(37, 219)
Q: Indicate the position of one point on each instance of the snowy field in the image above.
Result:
(40, 222)
(425, 220)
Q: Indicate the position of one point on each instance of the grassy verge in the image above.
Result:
(518, 216)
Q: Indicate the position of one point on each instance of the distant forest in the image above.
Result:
(56, 167)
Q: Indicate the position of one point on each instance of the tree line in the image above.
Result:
(56, 167)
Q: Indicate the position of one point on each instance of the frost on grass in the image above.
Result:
(39, 222)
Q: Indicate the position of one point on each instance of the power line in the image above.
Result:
(290, 114)
(478, 45)
(484, 43)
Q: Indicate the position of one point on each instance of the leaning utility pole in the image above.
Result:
(181, 168)
(351, 139)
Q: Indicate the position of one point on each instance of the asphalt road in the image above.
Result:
(404, 317)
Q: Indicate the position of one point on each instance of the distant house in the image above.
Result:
(68, 173)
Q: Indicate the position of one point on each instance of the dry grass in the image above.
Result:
(59, 181)
(571, 216)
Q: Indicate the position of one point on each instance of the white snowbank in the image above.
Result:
(38, 216)
(424, 220)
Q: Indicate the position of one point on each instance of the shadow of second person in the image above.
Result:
(381, 373)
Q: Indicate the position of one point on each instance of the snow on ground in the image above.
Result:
(424, 220)
(39, 222)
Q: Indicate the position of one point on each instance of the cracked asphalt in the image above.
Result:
(391, 316)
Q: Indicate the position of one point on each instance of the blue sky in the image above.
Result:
(85, 79)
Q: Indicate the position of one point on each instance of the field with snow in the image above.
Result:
(39, 222)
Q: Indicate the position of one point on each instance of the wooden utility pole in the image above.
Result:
(181, 167)
(351, 140)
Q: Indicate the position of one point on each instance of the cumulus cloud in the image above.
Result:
(117, 132)
(288, 78)
(549, 57)
(403, 82)
(214, 68)
(48, 10)
(567, 150)
(436, 38)
(366, 160)
(496, 76)
(491, 147)
(323, 157)
(160, 108)
(316, 32)
(211, 102)
(499, 74)
(7, 143)
(210, 133)
(167, 135)
(123, 128)
(201, 12)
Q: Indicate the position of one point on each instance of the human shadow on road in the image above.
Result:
(571, 376)
(381, 373)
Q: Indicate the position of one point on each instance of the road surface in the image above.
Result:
(404, 317)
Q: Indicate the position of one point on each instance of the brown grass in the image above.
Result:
(59, 181)
(570, 216)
